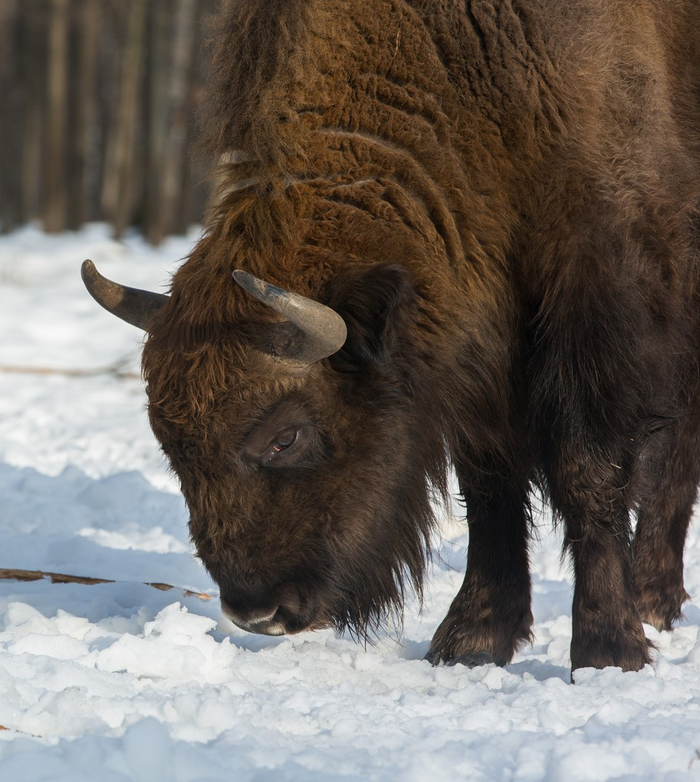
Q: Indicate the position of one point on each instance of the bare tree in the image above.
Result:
(86, 118)
(179, 98)
(35, 17)
(55, 213)
(10, 117)
(119, 176)
(159, 68)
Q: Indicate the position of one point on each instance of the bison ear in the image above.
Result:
(374, 303)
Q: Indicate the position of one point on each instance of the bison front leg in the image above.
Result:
(490, 617)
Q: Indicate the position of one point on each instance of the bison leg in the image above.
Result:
(490, 617)
(607, 629)
(591, 494)
(669, 479)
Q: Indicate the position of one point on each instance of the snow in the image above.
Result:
(121, 681)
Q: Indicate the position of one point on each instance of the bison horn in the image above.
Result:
(130, 304)
(324, 329)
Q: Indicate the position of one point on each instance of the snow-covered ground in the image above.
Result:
(121, 681)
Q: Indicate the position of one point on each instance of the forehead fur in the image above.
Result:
(198, 357)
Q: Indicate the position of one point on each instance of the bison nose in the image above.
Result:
(281, 613)
(254, 620)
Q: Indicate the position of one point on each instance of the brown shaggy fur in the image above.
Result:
(501, 199)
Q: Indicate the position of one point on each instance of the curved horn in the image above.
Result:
(130, 304)
(324, 328)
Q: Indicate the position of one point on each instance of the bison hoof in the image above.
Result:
(630, 654)
(473, 660)
(470, 659)
(460, 640)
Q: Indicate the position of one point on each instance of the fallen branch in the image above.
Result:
(22, 732)
(116, 371)
(62, 578)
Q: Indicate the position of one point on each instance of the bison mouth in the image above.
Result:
(262, 625)
(288, 610)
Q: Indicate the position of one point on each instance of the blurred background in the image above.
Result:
(99, 114)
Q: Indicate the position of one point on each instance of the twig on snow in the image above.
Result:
(116, 370)
(16, 730)
(62, 578)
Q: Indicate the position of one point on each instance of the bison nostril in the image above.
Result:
(299, 606)
(289, 599)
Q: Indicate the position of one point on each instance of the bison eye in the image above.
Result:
(282, 442)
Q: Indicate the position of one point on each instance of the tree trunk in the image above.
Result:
(85, 151)
(55, 214)
(35, 67)
(11, 116)
(157, 118)
(119, 177)
(172, 218)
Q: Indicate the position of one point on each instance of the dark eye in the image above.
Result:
(282, 442)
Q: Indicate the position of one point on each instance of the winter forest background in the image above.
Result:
(98, 120)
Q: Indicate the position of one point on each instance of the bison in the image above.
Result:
(455, 233)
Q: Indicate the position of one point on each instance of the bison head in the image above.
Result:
(296, 434)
